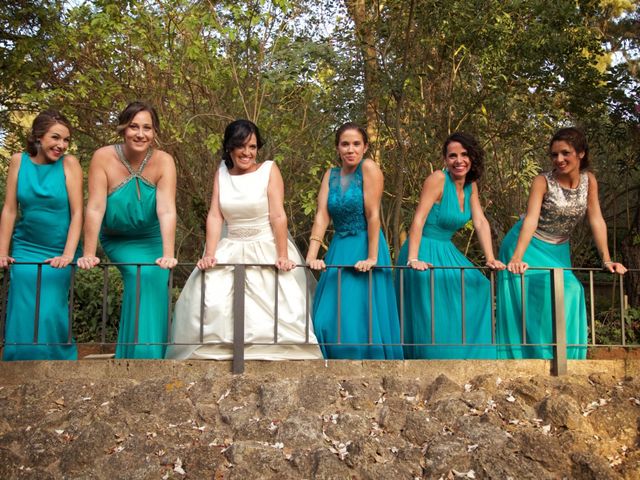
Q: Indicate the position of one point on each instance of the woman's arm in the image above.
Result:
(599, 227)
(320, 224)
(278, 218)
(213, 228)
(9, 211)
(96, 205)
(483, 230)
(73, 182)
(166, 210)
(529, 224)
(431, 192)
(372, 186)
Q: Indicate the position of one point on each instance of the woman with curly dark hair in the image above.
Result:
(448, 200)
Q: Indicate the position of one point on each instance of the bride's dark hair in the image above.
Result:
(235, 136)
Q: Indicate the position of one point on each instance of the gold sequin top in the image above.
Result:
(562, 209)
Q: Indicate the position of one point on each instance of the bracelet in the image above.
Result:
(319, 240)
(410, 261)
(607, 263)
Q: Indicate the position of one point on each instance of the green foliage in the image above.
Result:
(609, 327)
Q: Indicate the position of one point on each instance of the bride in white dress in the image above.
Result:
(249, 197)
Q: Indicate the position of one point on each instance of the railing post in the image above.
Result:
(239, 274)
(559, 362)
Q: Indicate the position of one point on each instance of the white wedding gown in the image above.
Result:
(249, 240)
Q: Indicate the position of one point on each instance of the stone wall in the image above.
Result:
(335, 420)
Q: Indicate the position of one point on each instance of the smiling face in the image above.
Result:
(565, 158)
(244, 156)
(139, 133)
(457, 161)
(351, 148)
(54, 142)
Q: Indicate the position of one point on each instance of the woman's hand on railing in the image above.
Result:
(615, 267)
(284, 264)
(59, 262)
(495, 264)
(6, 260)
(166, 262)
(365, 265)
(419, 265)
(316, 264)
(87, 262)
(206, 262)
(517, 266)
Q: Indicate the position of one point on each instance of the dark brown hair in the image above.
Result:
(41, 125)
(134, 108)
(577, 139)
(235, 136)
(474, 150)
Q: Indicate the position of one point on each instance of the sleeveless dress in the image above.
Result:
(41, 233)
(437, 248)
(249, 240)
(561, 210)
(358, 338)
(131, 233)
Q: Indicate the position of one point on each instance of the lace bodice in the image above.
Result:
(562, 209)
(346, 201)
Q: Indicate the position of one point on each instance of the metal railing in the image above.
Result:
(559, 361)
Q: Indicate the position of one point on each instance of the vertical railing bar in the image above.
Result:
(169, 303)
(275, 309)
(339, 316)
(307, 315)
(239, 275)
(3, 304)
(105, 303)
(370, 306)
(203, 274)
(433, 307)
(524, 309)
(37, 313)
(592, 308)
(492, 283)
(463, 304)
(137, 324)
(71, 300)
(401, 306)
(559, 361)
(623, 329)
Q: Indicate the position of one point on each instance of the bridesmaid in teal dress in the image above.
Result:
(449, 199)
(132, 194)
(45, 186)
(350, 195)
(558, 201)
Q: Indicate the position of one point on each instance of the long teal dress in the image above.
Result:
(562, 208)
(131, 234)
(40, 233)
(436, 248)
(351, 326)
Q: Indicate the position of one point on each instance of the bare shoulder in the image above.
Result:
(71, 161)
(592, 178)
(436, 179)
(163, 157)
(103, 155)
(15, 160)
(370, 167)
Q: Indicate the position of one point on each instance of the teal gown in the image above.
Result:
(560, 211)
(349, 245)
(437, 249)
(41, 233)
(131, 233)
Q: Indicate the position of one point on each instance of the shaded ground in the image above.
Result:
(326, 424)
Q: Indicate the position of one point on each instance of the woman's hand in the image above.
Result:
(495, 264)
(419, 265)
(6, 260)
(517, 266)
(88, 261)
(166, 262)
(615, 267)
(284, 264)
(316, 264)
(59, 262)
(206, 262)
(365, 265)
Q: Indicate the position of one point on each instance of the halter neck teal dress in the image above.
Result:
(131, 233)
(436, 248)
(356, 336)
(40, 233)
